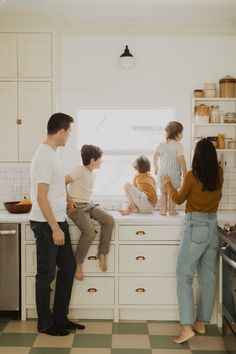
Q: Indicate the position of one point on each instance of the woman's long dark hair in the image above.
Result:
(205, 165)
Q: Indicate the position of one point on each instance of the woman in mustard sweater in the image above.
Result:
(202, 189)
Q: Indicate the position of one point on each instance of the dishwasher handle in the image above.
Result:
(8, 232)
(226, 258)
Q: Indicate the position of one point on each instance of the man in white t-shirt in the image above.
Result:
(48, 222)
(81, 210)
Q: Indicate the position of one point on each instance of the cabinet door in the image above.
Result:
(8, 57)
(34, 109)
(34, 55)
(8, 127)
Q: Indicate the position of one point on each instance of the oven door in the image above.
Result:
(229, 297)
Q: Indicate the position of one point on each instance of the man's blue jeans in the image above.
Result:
(198, 251)
(48, 257)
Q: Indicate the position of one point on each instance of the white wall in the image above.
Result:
(167, 70)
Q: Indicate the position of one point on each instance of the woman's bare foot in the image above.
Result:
(78, 272)
(199, 327)
(124, 212)
(173, 212)
(102, 262)
(162, 212)
(133, 210)
(186, 334)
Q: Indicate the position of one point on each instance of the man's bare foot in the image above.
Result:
(199, 327)
(173, 212)
(102, 262)
(185, 335)
(79, 273)
(162, 212)
(124, 212)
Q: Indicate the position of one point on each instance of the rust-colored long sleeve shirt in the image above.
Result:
(197, 199)
(147, 184)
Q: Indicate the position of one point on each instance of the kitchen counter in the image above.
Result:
(155, 218)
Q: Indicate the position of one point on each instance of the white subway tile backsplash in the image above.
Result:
(230, 176)
(227, 206)
(232, 199)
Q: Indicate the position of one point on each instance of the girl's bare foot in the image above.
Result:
(102, 262)
(173, 212)
(124, 212)
(199, 327)
(162, 212)
(78, 273)
(186, 334)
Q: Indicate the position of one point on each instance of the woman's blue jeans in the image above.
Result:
(198, 251)
(48, 257)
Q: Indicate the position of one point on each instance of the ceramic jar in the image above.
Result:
(209, 90)
(227, 86)
(202, 114)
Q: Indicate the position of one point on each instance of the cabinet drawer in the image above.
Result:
(148, 290)
(150, 232)
(160, 259)
(75, 232)
(91, 263)
(93, 291)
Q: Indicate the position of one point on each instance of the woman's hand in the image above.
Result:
(165, 180)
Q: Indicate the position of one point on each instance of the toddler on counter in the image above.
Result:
(169, 160)
(141, 195)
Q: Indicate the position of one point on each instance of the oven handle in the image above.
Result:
(226, 258)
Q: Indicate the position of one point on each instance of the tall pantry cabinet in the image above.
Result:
(25, 93)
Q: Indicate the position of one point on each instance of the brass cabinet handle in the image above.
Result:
(92, 290)
(19, 121)
(140, 258)
(140, 233)
(96, 231)
(140, 290)
(92, 258)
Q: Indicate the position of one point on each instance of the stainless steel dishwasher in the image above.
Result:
(10, 269)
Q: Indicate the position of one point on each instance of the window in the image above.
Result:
(123, 135)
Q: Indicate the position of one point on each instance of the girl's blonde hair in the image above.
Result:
(173, 129)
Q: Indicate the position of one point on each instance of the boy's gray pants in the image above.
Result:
(82, 217)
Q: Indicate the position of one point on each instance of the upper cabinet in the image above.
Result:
(8, 55)
(25, 55)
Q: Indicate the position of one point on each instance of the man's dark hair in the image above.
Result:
(89, 152)
(57, 122)
(142, 164)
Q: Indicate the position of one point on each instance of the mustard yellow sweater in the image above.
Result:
(197, 199)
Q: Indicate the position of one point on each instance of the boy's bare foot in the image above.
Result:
(173, 212)
(79, 273)
(199, 327)
(162, 212)
(124, 212)
(102, 262)
(184, 336)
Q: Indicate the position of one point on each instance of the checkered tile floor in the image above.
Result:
(106, 337)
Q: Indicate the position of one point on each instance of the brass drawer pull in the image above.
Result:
(92, 258)
(92, 290)
(140, 258)
(140, 290)
(140, 233)
(96, 231)
(19, 121)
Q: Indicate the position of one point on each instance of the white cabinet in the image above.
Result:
(25, 93)
(23, 118)
(25, 55)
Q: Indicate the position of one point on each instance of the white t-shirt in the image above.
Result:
(81, 189)
(46, 168)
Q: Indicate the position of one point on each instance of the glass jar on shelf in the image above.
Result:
(215, 114)
(221, 141)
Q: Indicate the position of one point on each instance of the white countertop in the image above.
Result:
(155, 218)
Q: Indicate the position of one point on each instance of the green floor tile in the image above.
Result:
(3, 325)
(131, 351)
(17, 339)
(129, 328)
(166, 342)
(212, 330)
(92, 341)
(49, 351)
